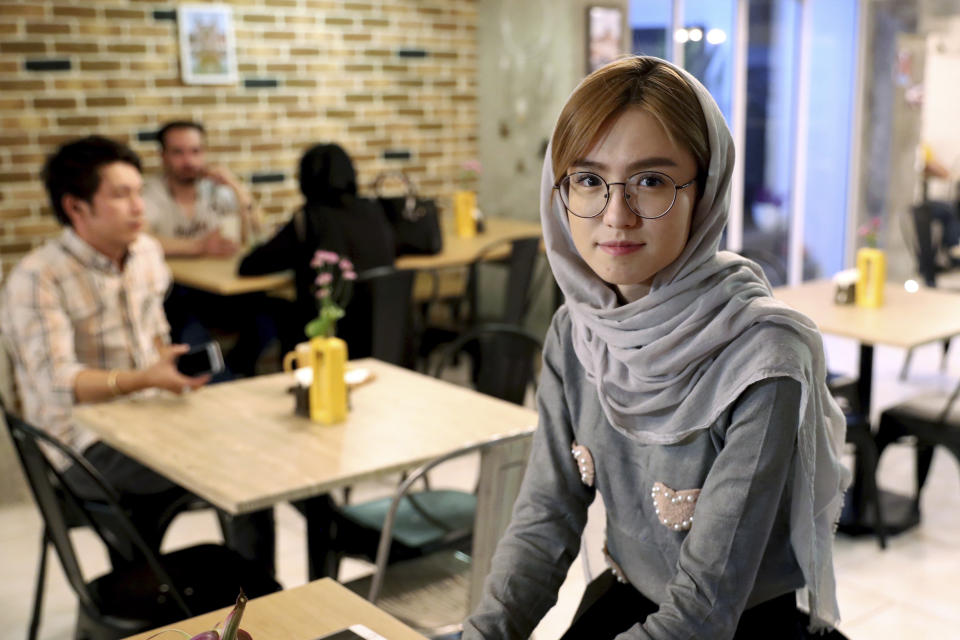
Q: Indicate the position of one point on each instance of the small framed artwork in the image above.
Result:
(604, 36)
(208, 52)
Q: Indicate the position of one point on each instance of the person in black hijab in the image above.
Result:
(335, 219)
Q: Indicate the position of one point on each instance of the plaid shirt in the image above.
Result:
(66, 307)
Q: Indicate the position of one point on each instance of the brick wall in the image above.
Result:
(392, 81)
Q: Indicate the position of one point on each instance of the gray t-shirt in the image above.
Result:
(736, 553)
(166, 218)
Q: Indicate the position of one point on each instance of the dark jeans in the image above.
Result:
(948, 215)
(152, 501)
(609, 608)
(193, 313)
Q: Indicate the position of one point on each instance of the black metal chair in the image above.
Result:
(519, 265)
(389, 293)
(435, 519)
(865, 494)
(932, 419)
(147, 589)
(925, 251)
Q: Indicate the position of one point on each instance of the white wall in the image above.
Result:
(531, 56)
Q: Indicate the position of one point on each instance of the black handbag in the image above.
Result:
(415, 220)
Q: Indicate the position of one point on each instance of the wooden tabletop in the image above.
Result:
(301, 613)
(240, 446)
(905, 320)
(219, 275)
(459, 251)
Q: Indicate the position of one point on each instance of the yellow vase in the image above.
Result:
(328, 391)
(872, 273)
(464, 204)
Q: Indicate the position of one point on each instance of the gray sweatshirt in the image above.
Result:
(704, 560)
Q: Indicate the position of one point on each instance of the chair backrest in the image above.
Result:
(389, 294)
(520, 267)
(386, 534)
(505, 359)
(54, 498)
(948, 407)
(925, 251)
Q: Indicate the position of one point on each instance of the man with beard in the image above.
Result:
(192, 201)
(186, 209)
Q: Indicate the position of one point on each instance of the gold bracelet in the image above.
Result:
(112, 382)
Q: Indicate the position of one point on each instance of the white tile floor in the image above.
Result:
(910, 590)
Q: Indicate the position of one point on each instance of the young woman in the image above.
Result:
(673, 384)
(334, 218)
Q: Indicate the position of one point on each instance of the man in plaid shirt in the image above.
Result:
(84, 317)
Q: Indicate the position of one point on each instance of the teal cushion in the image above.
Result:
(446, 510)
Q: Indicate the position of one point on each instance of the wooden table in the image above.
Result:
(302, 613)
(905, 320)
(219, 275)
(240, 446)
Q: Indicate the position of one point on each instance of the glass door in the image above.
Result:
(784, 74)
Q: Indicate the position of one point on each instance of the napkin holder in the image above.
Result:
(845, 286)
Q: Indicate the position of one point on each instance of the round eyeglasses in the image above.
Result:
(649, 194)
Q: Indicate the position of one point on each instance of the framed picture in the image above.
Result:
(604, 36)
(208, 52)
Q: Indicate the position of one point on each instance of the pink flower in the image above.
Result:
(328, 257)
(472, 165)
(324, 278)
(346, 265)
(349, 275)
(323, 292)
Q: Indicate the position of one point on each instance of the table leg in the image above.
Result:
(864, 398)
(887, 513)
(322, 560)
(865, 380)
(501, 470)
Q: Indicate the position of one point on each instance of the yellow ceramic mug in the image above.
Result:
(300, 355)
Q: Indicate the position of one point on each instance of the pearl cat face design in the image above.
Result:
(674, 508)
(584, 463)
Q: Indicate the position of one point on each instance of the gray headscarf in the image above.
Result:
(708, 329)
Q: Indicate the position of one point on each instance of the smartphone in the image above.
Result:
(201, 360)
(355, 632)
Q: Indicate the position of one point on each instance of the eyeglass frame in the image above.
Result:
(676, 190)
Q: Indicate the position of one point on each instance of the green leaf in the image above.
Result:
(232, 623)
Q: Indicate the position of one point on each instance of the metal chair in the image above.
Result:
(865, 490)
(387, 294)
(146, 590)
(925, 251)
(932, 419)
(519, 257)
(431, 520)
(429, 593)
